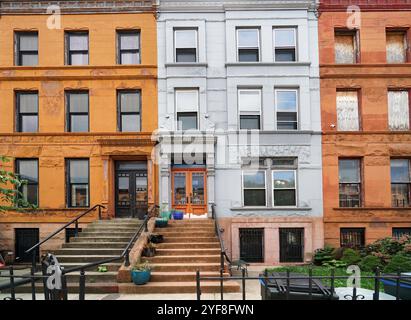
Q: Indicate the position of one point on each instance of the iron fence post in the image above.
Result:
(82, 285)
(310, 284)
(99, 212)
(243, 281)
(45, 289)
(146, 225)
(33, 284)
(127, 259)
(33, 257)
(397, 286)
(332, 281)
(222, 284)
(12, 287)
(64, 286)
(198, 285)
(266, 282)
(376, 295)
(76, 229)
(288, 285)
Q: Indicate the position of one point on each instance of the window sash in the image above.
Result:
(180, 117)
(73, 54)
(346, 50)
(26, 51)
(287, 115)
(131, 52)
(398, 233)
(398, 110)
(81, 179)
(292, 189)
(187, 100)
(350, 195)
(290, 48)
(400, 194)
(31, 187)
(396, 46)
(27, 109)
(347, 111)
(254, 117)
(355, 165)
(254, 187)
(250, 49)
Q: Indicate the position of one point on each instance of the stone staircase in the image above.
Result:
(103, 239)
(189, 245)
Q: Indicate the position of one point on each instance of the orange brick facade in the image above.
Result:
(374, 143)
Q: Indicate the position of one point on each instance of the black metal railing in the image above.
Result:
(285, 290)
(36, 248)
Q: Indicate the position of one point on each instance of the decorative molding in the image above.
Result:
(303, 153)
(369, 5)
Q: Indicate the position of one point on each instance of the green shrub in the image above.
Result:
(350, 256)
(322, 256)
(334, 264)
(400, 262)
(370, 263)
(338, 253)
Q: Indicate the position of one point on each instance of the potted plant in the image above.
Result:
(156, 238)
(178, 215)
(141, 273)
(149, 250)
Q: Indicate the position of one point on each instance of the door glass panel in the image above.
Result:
(180, 188)
(124, 190)
(198, 189)
(141, 189)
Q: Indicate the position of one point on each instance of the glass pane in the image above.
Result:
(79, 59)
(349, 171)
(344, 48)
(124, 190)
(398, 110)
(284, 198)
(30, 194)
(250, 122)
(141, 188)
(396, 48)
(284, 37)
(129, 41)
(400, 170)
(78, 102)
(187, 100)
(249, 100)
(350, 195)
(28, 102)
(186, 55)
(28, 42)
(79, 123)
(248, 38)
(28, 170)
(198, 188)
(254, 180)
(186, 38)
(286, 120)
(347, 111)
(130, 123)
(130, 101)
(132, 165)
(285, 55)
(130, 58)
(248, 55)
(254, 197)
(29, 123)
(29, 59)
(78, 42)
(284, 179)
(79, 195)
(286, 101)
(78, 171)
(400, 194)
(187, 121)
(180, 188)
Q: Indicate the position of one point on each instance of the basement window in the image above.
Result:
(346, 47)
(396, 46)
(352, 237)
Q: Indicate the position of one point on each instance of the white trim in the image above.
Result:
(297, 102)
(242, 187)
(295, 187)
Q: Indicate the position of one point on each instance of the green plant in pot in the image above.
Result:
(149, 250)
(141, 273)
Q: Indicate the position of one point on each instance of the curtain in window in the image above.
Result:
(395, 47)
(344, 49)
(398, 110)
(347, 111)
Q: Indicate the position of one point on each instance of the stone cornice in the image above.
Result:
(77, 6)
(370, 5)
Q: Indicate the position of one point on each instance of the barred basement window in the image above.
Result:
(248, 44)
(350, 183)
(185, 43)
(400, 182)
(398, 110)
(398, 233)
(347, 111)
(26, 49)
(396, 46)
(346, 46)
(352, 237)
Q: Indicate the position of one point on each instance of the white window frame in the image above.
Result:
(258, 43)
(249, 113)
(242, 188)
(295, 188)
(175, 30)
(176, 90)
(295, 42)
(297, 107)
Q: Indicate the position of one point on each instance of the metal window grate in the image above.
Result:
(352, 237)
(252, 244)
(291, 244)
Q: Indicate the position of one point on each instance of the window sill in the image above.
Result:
(372, 208)
(186, 64)
(270, 208)
(269, 64)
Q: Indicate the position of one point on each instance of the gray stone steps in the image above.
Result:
(161, 251)
(89, 251)
(185, 245)
(189, 239)
(84, 258)
(185, 259)
(83, 245)
(100, 239)
(113, 266)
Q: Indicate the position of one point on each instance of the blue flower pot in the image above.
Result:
(140, 277)
(178, 215)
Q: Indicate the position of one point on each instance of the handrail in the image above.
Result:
(223, 250)
(75, 220)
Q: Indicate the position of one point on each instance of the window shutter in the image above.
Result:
(249, 101)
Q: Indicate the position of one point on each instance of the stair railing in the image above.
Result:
(36, 248)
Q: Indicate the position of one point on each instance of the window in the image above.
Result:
(249, 105)
(286, 107)
(352, 237)
(400, 182)
(185, 43)
(26, 49)
(251, 244)
(26, 238)
(346, 46)
(254, 188)
(291, 244)
(27, 108)
(248, 44)
(398, 110)
(284, 188)
(77, 182)
(77, 111)
(350, 183)
(285, 44)
(128, 45)
(396, 46)
(77, 48)
(187, 109)
(129, 111)
(347, 111)
(27, 170)
(398, 233)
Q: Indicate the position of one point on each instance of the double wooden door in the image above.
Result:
(189, 191)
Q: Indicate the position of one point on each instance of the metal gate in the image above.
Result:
(25, 239)
(291, 244)
(252, 244)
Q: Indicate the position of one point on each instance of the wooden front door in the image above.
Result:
(189, 190)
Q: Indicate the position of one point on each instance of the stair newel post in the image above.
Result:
(198, 285)
(146, 225)
(12, 286)
(44, 276)
(64, 285)
(243, 282)
(33, 258)
(376, 295)
(99, 212)
(82, 285)
(76, 229)
(127, 258)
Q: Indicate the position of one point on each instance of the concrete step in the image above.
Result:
(95, 233)
(83, 258)
(185, 259)
(189, 239)
(93, 277)
(188, 234)
(193, 245)
(101, 239)
(178, 287)
(172, 224)
(113, 266)
(185, 267)
(185, 229)
(89, 251)
(90, 245)
(188, 251)
(111, 229)
(73, 287)
(181, 276)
